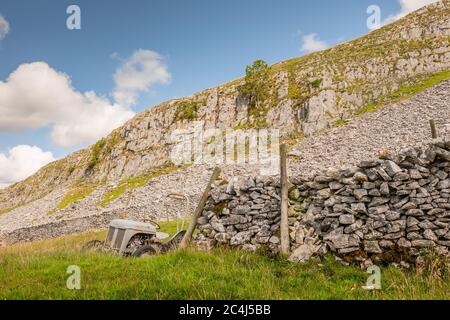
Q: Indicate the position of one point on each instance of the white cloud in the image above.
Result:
(4, 27)
(20, 162)
(311, 43)
(36, 96)
(139, 73)
(408, 6)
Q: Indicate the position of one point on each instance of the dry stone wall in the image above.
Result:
(386, 210)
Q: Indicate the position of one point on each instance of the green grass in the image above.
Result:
(411, 90)
(76, 194)
(405, 92)
(316, 83)
(340, 123)
(38, 271)
(136, 182)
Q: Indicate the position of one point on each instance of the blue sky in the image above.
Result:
(195, 44)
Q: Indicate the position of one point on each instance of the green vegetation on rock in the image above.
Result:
(255, 86)
(316, 83)
(187, 109)
(405, 92)
(77, 193)
(95, 153)
(137, 182)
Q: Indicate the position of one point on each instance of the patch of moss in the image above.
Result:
(76, 194)
(137, 182)
(405, 92)
(340, 123)
(316, 83)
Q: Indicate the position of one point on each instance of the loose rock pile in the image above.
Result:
(384, 210)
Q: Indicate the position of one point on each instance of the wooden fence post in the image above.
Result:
(284, 224)
(434, 133)
(198, 211)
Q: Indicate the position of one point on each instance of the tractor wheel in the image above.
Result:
(144, 251)
(92, 246)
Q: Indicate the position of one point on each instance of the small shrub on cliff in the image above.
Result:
(95, 155)
(256, 79)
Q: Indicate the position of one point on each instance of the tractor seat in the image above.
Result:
(130, 224)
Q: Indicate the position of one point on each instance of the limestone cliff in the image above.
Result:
(307, 94)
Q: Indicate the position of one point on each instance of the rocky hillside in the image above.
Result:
(307, 95)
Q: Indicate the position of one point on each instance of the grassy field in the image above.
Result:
(38, 271)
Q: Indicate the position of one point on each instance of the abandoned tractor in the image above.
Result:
(137, 239)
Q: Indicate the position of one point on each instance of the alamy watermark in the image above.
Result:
(73, 21)
(213, 146)
(374, 19)
(374, 280)
(74, 280)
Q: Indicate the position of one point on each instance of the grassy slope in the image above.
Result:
(38, 271)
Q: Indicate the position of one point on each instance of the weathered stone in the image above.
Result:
(241, 238)
(384, 189)
(411, 221)
(324, 193)
(422, 243)
(233, 219)
(303, 253)
(392, 215)
(445, 184)
(372, 247)
(346, 219)
(374, 193)
(334, 185)
(242, 209)
(221, 237)
(378, 201)
(391, 168)
(429, 235)
(341, 241)
(415, 212)
(358, 208)
(379, 210)
(359, 193)
(426, 224)
(383, 174)
(217, 226)
(274, 240)
(368, 164)
(403, 243)
(369, 185)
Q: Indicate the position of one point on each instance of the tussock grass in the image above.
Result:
(38, 271)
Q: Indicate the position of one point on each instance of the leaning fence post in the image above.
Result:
(284, 224)
(434, 133)
(198, 211)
